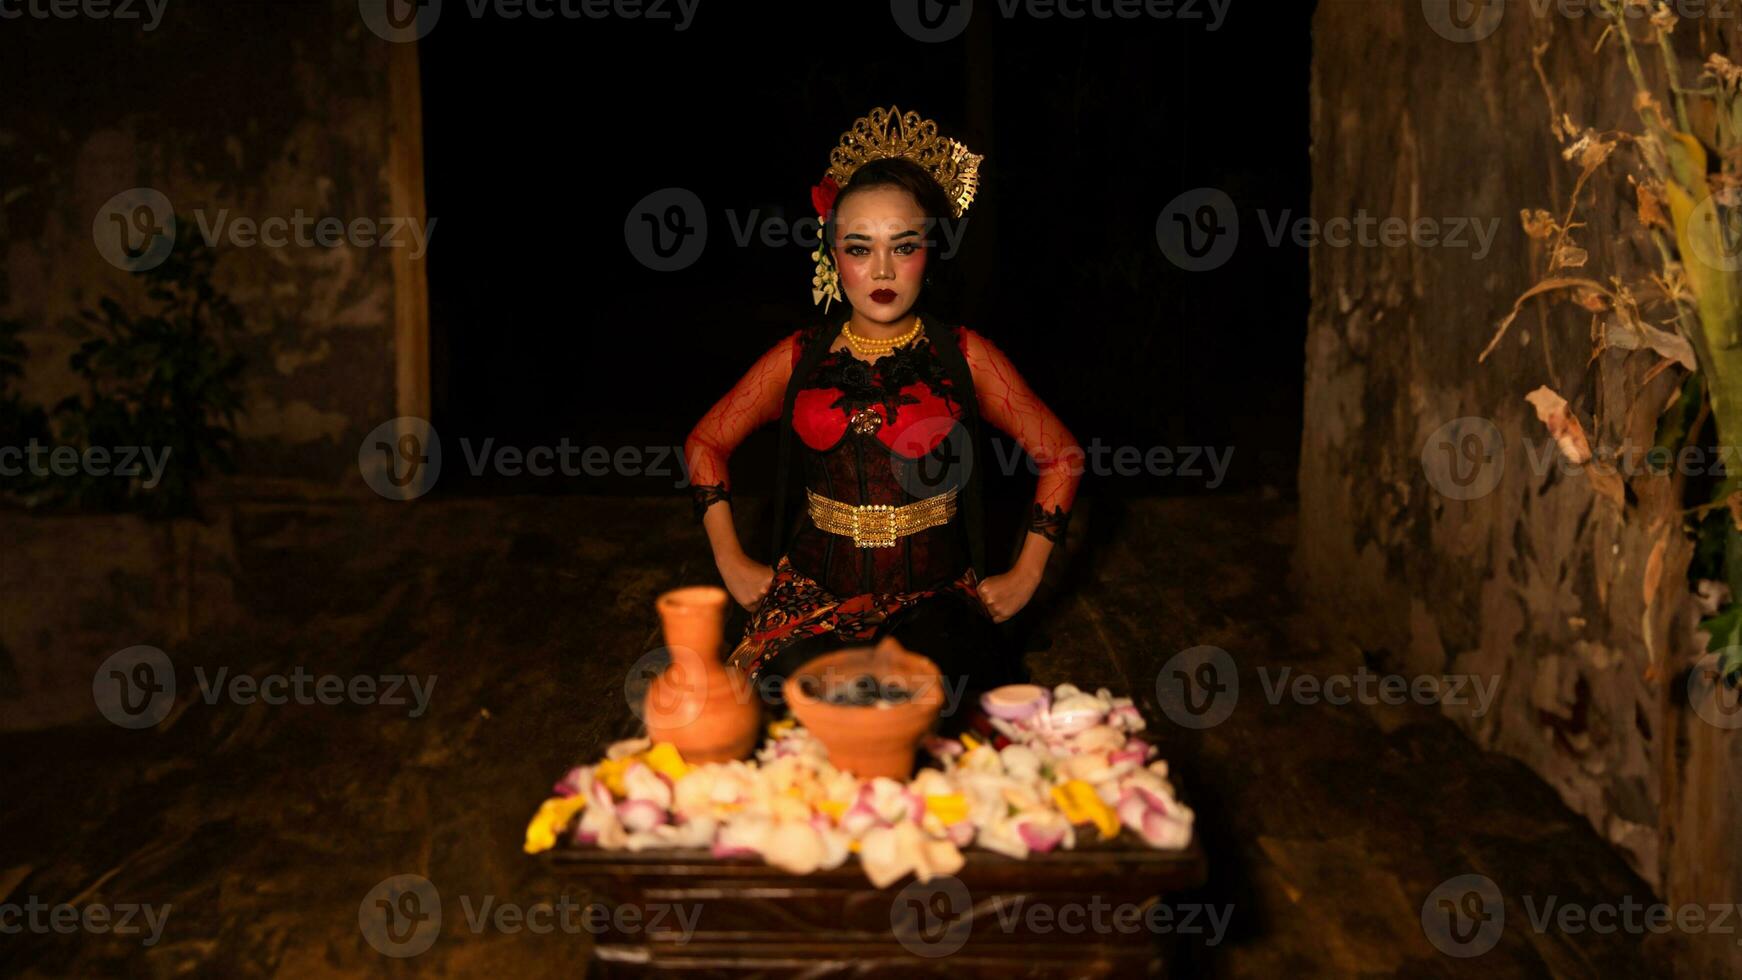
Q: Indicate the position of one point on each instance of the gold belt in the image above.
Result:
(879, 525)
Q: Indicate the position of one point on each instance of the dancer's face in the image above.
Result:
(880, 250)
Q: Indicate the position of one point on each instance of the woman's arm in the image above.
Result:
(753, 402)
(1007, 401)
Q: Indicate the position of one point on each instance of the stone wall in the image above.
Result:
(233, 112)
(1500, 563)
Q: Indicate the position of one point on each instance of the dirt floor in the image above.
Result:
(264, 827)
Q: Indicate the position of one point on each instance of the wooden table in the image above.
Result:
(1105, 909)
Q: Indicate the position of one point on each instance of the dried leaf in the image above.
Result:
(1734, 502)
(1537, 222)
(1590, 149)
(1642, 335)
(1650, 204)
(1545, 286)
(1569, 435)
(1723, 70)
(1566, 255)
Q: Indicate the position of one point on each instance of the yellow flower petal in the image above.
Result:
(781, 727)
(552, 818)
(948, 807)
(610, 772)
(1079, 803)
(834, 809)
(664, 759)
(969, 742)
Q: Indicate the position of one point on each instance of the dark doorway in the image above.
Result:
(542, 135)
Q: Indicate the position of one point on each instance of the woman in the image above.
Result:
(885, 404)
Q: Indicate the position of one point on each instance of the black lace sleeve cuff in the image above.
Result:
(1049, 524)
(706, 495)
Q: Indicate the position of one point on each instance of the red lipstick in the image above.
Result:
(882, 295)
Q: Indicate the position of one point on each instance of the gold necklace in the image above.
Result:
(871, 345)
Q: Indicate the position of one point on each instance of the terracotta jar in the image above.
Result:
(878, 739)
(707, 710)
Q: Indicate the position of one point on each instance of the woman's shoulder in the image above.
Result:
(975, 347)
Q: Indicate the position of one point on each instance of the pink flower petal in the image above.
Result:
(1038, 839)
(721, 850)
(640, 814)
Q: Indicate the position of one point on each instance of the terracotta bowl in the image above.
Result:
(871, 740)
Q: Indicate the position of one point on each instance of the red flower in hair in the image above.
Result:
(823, 196)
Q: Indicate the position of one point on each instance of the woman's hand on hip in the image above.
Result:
(1005, 595)
(748, 580)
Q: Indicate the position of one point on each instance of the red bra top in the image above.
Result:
(905, 398)
(906, 395)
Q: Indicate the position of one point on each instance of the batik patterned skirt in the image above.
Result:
(797, 610)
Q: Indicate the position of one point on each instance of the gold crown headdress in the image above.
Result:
(886, 133)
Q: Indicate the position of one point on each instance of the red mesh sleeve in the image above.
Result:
(1009, 403)
(753, 402)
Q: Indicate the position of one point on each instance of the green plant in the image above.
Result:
(1686, 172)
(165, 380)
